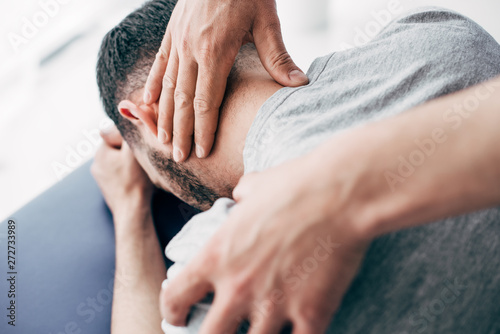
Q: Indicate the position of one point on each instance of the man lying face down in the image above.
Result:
(423, 55)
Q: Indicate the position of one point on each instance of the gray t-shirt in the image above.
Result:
(443, 277)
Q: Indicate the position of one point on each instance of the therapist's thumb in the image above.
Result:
(274, 56)
(244, 186)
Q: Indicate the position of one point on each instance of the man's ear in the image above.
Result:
(144, 114)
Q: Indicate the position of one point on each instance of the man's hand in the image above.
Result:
(280, 258)
(191, 68)
(127, 190)
(123, 182)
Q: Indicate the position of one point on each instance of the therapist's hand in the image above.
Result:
(197, 53)
(266, 263)
(286, 255)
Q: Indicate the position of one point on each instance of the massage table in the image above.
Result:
(65, 257)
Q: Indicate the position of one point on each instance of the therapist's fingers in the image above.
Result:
(183, 125)
(153, 86)
(311, 320)
(265, 323)
(273, 54)
(177, 297)
(166, 104)
(244, 186)
(224, 316)
(210, 89)
(112, 137)
(307, 327)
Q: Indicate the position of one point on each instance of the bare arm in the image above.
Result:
(139, 259)
(438, 160)
(140, 269)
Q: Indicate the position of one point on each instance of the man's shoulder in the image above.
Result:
(446, 41)
(434, 38)
(437, 27)
(433, 16)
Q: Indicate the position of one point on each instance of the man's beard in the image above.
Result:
(189, 187)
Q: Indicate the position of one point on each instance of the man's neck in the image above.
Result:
(237, 114)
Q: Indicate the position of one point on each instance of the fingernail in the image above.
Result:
(162, 136)
(177, 154)
(147, 97)
(164, 284)
(200, 153)
(297, 76)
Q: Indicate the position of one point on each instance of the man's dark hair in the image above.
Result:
(126, 56)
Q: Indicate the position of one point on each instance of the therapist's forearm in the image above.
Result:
(140, 269)
(437, 160)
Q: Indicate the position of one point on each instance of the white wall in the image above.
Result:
(45, 108)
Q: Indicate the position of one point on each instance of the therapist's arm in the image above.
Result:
(140, 268)
(437, 160)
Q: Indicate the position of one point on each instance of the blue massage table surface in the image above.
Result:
(65, 257)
